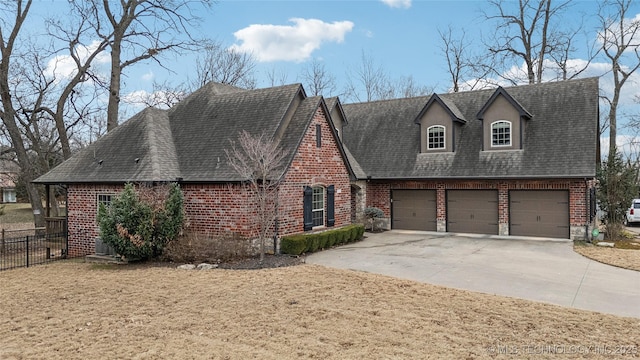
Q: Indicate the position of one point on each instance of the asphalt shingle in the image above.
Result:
(559, 140)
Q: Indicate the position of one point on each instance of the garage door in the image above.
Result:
(539, 213)
(413, 210)
(472, 211)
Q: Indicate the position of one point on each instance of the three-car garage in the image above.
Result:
(538, 213)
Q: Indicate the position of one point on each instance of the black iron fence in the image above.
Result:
(27, 250)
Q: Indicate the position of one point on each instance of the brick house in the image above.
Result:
(8, 175)
(507, 161)
(187, 143)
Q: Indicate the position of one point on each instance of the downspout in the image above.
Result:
(275, 223)
(587, 209)
(66, 220)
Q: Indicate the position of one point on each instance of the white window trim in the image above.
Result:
(323, 209)
(444, 139)
(98, 202)
(510, 133)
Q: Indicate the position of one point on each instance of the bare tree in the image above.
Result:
(407, 87)
(138, 30)
(468, 71)
(367, 76)
(277, 78)
(317, 80)
(621, 45)
(527, 35)
(225, 66)
(259, 162)
(561, 58)
(455, 51)
(17, 12)
(163, 95)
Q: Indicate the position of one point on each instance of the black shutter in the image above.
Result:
(307, 208)
(331, 218)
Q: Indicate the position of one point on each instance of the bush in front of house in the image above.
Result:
(307, 243)
(294, 244)
(372, 214)
(197, 247)
(139, 224)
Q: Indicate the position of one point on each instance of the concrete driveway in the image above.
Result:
(546, 270)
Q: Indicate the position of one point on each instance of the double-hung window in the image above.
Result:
(318, 206)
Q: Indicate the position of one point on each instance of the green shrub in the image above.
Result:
(294, 245)
(360, 232)
(323, 240)
(333, 236)
(313, 243)
(372, 214)
(340, 237)
(139, 227)
(297, 244)
(354, 234)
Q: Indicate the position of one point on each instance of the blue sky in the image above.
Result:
(400, 36)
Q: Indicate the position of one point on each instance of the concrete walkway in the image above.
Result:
(546, 270)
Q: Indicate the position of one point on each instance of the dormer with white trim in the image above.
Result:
(439, 122)
(503, 122)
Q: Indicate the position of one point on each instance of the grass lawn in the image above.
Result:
(75, 310)
(17, 213)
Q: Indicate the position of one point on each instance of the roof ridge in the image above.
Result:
(156, 121)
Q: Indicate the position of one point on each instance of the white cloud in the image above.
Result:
(405, 4)
(148, 76)
(613, 33)
(289, 43)
(64, 67)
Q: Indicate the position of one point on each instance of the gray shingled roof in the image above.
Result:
(188, 141)
(560, 139)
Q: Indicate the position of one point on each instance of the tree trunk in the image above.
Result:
(613, 109)
(114, 86)
(9, 118)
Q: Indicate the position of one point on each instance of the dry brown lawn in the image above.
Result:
(75, 310)
(624, 258)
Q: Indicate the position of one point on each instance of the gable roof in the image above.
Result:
(500, 91)
(333, 103)
(559, 143)
(448, 106)
(187, 143)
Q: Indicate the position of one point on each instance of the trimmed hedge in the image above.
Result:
(307, 243)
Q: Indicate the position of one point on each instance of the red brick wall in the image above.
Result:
(379, 193)
(314, 166)
(82, 205)
(218, 208)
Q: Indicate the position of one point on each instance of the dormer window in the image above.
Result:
(438, 122)
(501, 133)
(503, 122)
(435, 137)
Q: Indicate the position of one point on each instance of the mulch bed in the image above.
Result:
(270, 261)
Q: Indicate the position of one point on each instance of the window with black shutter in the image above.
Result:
(308, 208)
(330, 207)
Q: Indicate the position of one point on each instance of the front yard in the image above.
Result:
(75, 310)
